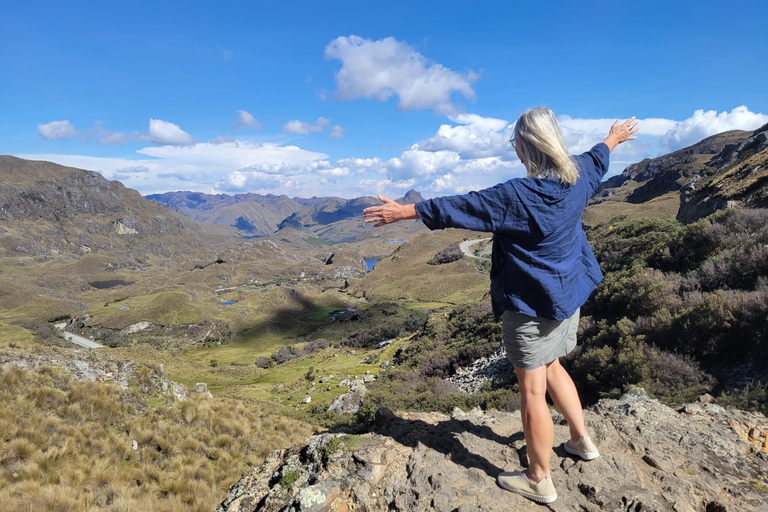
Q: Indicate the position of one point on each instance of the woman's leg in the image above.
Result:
(563, 392)
(537, 421)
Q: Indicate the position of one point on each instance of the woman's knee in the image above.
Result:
(532, 383)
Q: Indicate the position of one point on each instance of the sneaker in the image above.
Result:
(517, 482)
(584, 448)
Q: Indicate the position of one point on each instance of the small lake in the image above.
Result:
(103, 285)
(398, 240)
(334, 313)
(370, 264)
(229, 303)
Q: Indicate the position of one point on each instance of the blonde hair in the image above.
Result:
(538, 139)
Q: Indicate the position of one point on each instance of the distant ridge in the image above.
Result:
(263, 215)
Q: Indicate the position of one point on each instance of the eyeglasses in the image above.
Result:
(513, 141)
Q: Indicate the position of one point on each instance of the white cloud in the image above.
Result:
(104, 136)
(337, 132)
(57, 130)
(468, 153)
(246, 120)
(202, 166)
(473, 137)
(165, 132)
(703, 123)
(377, 70)
(303, 128)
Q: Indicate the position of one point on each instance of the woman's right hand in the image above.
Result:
(621, 133)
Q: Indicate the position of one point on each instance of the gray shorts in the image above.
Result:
(532, 342)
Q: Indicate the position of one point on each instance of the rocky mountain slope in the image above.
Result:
(670, 172)
(696, 457)
(48, 209)
(727, 169)
(740, 179)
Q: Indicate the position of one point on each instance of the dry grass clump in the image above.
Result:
(68, 445)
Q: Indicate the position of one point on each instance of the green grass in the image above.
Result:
(316, 241)
(15, 335)
(289, 478)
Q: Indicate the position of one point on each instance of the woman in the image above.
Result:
(542, 272)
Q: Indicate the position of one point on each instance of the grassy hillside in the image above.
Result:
(70, 445)
(406, 275)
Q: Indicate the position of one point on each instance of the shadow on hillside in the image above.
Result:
(295, 320)
(445, 438)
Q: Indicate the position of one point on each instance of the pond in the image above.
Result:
(398, 240)
(334, 313)
(103, 285)
(228, 303)
(370, 264)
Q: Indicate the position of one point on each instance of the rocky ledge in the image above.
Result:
(698, 457)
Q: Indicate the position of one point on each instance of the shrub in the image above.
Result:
(264, 362)
(753, 397)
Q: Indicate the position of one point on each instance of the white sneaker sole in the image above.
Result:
(535, 497)
(585, 455)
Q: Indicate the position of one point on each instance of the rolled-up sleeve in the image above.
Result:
(484, 210)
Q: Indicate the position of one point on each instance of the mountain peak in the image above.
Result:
(411, 197)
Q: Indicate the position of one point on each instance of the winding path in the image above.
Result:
(464, 246)
(77, 340)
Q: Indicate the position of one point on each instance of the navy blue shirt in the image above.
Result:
(542, 264)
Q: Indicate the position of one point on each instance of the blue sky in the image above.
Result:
(353, 98)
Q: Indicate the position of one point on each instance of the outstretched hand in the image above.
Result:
(389, 212)
(621, 133)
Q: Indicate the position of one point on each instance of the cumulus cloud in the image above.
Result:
(303, 128)
(246, 120)
(337, 132)
(380, 69)
(703, 124)
(656, 136)
(473, 136)
(165, 132)
(104, 136)
(469, 152)
(57, 130)
(473, 152)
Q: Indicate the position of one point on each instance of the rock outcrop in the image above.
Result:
(698, 457)
(741, 180)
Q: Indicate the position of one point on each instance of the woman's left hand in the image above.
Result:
(389, 212)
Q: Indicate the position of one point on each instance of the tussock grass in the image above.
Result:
(67, 445)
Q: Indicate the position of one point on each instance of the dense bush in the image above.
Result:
(674, 296)
(449, 340)
(378, 323)
(292, 352)
(410, 390)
